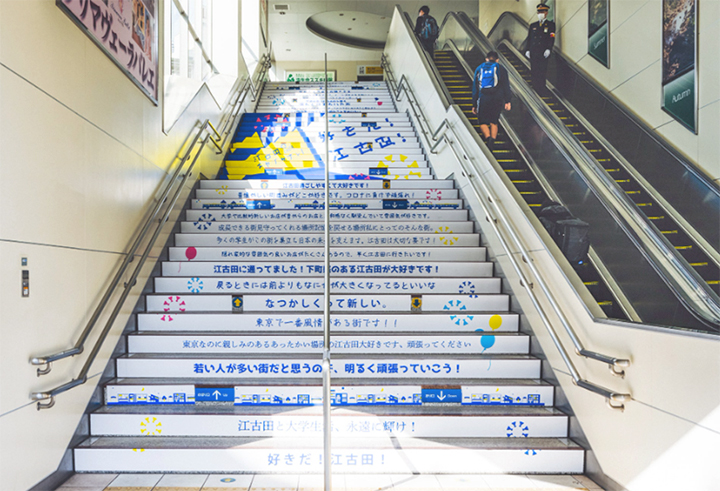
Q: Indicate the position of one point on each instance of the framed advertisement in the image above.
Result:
(679, 61)
(598, 31)
(126, 31)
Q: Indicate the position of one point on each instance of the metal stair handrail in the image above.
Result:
(615, 400)
(218, 140)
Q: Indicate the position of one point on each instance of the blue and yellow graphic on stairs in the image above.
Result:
(272, 146)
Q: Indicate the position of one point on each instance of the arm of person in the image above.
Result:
(475, 91)
(504, 84)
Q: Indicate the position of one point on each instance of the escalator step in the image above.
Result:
(661, 217)
(683, 248)
(669, 232)
(697, 265)
(633, 192)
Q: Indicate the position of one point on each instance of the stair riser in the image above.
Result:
(309, 204)
(400, 367)
(204, 225)
(347, 395)
(239, 284)
(339, 323)
(233, 345)
(349, 461)
(462, 306)
(303, 426)
(356, 254)
(419, 194)
(316, 185)
(415, 270)
(356, 240)
(308, 216)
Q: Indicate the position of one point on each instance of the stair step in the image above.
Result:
(337, 253)
(306, 343)
(298, 285)
(356, 322)
(199, 367)
(488, 394)
(313, 204)
(309, 216)
(307, 422)
(337, 269)
(351, 455)
(357, 240)
(464, 305)
(319, 185)
(208, 226)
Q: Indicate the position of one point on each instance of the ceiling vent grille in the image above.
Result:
(281, 7)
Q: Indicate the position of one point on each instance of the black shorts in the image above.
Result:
(489, 108)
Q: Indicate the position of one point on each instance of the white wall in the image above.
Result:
(345, 70)
(635, 64)
(82, 155)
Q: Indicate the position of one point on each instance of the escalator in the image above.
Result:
(650, 206)
(534, 149)
(459, 84)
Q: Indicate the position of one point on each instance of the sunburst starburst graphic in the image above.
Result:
(434, 194)
(195, 285)
(467, 288)
(151, 426)
(517, 429)
(174, 303)
(446, 236)
(222, 190)
(204, 221)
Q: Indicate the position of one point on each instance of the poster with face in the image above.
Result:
(679, 58)
(126, 30)
(598, 32)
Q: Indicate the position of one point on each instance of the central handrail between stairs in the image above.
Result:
(179, 178)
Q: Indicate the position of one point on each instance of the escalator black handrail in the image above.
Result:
(683, 224)
(683, 160)
(684, 281)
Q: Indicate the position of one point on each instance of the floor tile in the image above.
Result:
(361, 482)
(315, 482)
(508, 482)
(276, 482)
(134, 482)
(589, 483)
(412, 482)
(89, 481)
(460, 482)
(558, 482)
(181, 482)
(224, 482)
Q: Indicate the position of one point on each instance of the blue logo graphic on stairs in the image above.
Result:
(203, 221)
(518, 429)
(460, 320)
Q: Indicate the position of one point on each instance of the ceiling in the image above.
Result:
(293, 41)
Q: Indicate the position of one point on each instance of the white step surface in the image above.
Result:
(392, 344)
(307, 216)
(413, 194)
(318, 185)
(463, 306)
(313, 323)
(356, 254)
(287, 367)
(312, 204)
(207, 225)
(357, 240)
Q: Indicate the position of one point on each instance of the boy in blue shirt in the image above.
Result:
(491, 94)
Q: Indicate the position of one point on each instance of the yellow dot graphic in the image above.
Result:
(495, 322)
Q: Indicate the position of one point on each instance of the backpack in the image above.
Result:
(488, 75)
(571, 234)
(430, 31)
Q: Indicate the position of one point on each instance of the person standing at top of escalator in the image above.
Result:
(540, 41)
(426, 29)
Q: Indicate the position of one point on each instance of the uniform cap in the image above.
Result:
(541, 7)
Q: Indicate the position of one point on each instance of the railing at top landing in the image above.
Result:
(159, 216)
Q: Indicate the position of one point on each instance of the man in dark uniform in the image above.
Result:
(541, 38)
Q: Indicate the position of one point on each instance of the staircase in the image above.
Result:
(430, 372)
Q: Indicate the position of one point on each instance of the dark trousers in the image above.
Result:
(429, 48)
(538, 71)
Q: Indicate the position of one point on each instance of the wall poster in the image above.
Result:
(679, 61)
(126, 30)
(598, 30)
